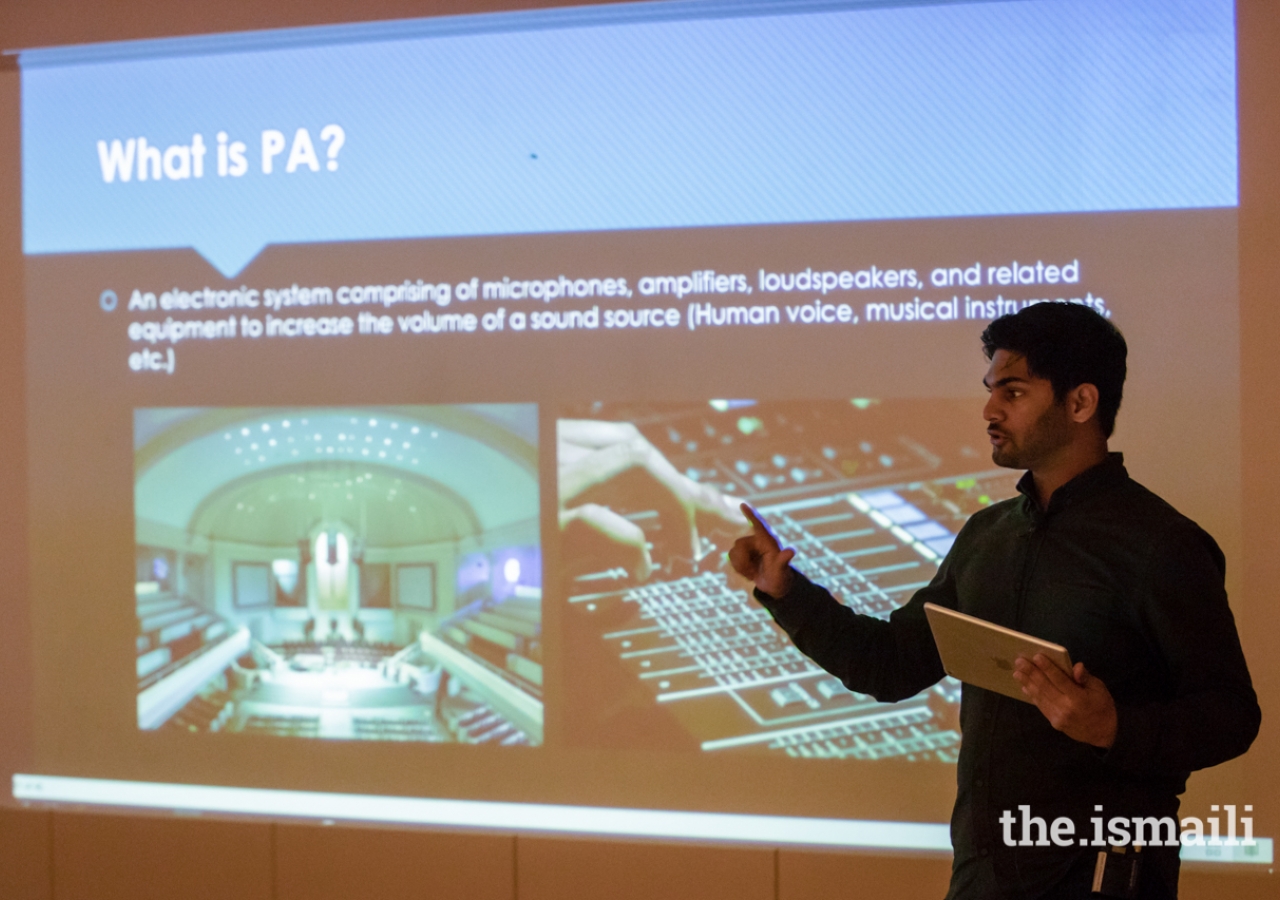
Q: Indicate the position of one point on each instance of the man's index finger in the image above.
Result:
(758, 524)
(1054, 675)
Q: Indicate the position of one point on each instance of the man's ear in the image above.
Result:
(1082, 402)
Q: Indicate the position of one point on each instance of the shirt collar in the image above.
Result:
(1094, 480)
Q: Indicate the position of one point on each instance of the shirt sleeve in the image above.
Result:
(890, 660)
(1211, 714)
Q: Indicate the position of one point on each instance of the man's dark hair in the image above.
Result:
(1069, 345)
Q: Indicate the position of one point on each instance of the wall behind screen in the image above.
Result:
(1254, 779)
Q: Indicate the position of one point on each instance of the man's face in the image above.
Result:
(1026, 424)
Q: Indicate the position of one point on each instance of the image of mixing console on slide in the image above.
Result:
(870, 493)
(340, 573)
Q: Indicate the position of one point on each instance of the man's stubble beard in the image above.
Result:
(1049, 433)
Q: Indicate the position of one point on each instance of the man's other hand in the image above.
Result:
(1076, 703)
(760, 558)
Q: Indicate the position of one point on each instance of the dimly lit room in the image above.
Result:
(639, 449)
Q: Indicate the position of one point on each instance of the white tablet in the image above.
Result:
(982, 653)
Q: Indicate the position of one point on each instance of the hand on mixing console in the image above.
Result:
(760, 557)
(607, 466)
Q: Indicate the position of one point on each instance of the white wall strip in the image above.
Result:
(519, 817)
(533, 817)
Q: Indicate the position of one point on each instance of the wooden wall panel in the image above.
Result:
(804, 875)
(549, 869)
(1208, 885)
(99, 857)
(318, 863)
(25, 852)
(1258, 29)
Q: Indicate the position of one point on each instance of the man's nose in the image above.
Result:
(990, 412)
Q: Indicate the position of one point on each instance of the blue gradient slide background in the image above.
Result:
(645, 116)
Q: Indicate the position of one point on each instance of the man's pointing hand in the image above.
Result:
(760, 558)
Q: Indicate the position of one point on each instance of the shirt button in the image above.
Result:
(979, 783)
(984, 852)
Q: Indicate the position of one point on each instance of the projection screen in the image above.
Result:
(393, 388)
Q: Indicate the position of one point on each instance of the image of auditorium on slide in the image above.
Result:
(362, 573)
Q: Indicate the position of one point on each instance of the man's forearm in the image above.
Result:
(888, 660)
(1183, 735)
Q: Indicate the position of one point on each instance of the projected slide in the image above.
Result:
(870, 494)
(351, 573)
(393, 388)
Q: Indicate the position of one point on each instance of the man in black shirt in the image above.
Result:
(1084, 557)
